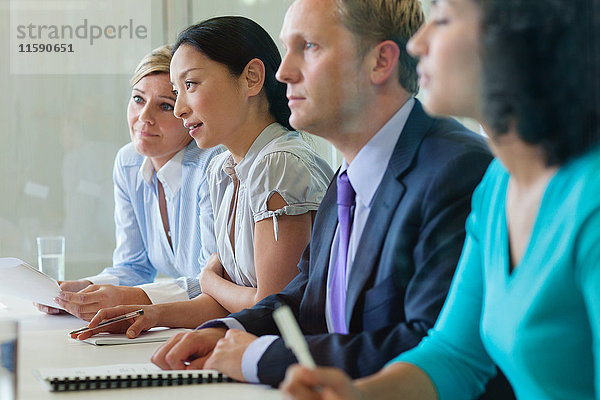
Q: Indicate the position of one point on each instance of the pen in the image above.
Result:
(110, 321)
(292, 336)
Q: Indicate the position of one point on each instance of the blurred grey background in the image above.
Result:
(60, 134)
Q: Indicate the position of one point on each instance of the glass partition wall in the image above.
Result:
(61, 131)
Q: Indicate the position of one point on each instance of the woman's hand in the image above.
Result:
(302, 383)
(132, 327)
(86, 303)
(213, 264)
(74, 286)
(65, 286)
(48, 309)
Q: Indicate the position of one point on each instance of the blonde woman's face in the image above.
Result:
(449, 63)
(154, 130)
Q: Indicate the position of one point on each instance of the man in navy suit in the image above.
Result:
(351, 82)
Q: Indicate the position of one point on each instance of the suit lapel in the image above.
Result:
(384, 205)
(325, 229)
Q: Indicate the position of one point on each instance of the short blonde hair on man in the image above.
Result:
(157, 61)
(374, 21)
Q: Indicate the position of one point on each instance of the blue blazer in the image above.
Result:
(404, 262)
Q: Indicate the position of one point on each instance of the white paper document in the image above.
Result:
(102, 370)
(17, 278)
(158, 334)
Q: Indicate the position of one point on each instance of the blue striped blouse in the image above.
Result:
(142, 247)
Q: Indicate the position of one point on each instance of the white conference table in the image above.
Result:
(43, 343)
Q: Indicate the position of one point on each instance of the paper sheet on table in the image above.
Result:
(158, 334)
(17, 278)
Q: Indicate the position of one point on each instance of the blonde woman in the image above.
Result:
(163, 214)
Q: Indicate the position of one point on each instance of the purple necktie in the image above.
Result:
(345, 201)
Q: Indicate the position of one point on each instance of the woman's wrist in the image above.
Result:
(171, 314)
(137, 295)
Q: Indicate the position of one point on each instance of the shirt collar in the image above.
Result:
(242, 169)
(147, 170)
(169, 174)
(368, 167)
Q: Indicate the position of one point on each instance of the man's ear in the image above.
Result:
(254, 76)
(385, 56)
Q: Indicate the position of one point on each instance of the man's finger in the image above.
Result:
(158, 357)
(181, 352)
(199, 363)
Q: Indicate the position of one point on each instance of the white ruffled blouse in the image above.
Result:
(279, 161)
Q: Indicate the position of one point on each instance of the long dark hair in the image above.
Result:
(542, 71)
(233, 42)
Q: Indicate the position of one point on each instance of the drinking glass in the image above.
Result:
(51, 256)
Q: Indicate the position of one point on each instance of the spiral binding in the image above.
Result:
(134, 381)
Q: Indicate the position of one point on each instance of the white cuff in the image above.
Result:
(229, 322)
(164, 292)
(103, 279)
(252, 356)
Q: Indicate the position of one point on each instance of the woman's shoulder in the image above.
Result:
(287, 141)
(289, 145)
(218, 160)
(493, 180)
(214, 171)
(287, 154)
(489, 196)
(587, 166)
(200, 158)
(579, 181)
(127, 156)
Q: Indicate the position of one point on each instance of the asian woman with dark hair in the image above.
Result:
(264, 190)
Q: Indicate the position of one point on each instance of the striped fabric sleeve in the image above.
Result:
(190, 285)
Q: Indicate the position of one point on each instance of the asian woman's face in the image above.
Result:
(449, 60)
(154, 130)
(210, 99)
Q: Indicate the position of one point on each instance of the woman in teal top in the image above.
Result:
(535, 322)
(526, 294)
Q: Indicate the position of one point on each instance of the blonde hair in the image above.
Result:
(374, 21)
(157, 61)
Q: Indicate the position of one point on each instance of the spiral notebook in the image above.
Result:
(123, 376)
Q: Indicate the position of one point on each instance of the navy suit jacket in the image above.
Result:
(404, 262)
